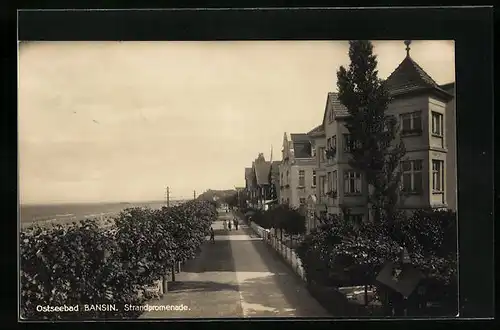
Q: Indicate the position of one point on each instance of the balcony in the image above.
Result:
(330, 153)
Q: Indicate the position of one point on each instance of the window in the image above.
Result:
(330, 115)
(322, 180)
(281, 180)
(411, 122)
(321, 154)
(334, 142)
(302, 178)
(412, 176)
(334, 181)
(302, 201)
(314, 179)
(352, 182)
(349, 144)
(437, 124)
(313, 150)
(437, 176)
(328, 143)
(329, 180)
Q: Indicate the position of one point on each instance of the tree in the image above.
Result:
(231, 200)
(290, 220)
(377, 150)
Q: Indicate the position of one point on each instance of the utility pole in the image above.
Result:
(167, 196)
(194, 194)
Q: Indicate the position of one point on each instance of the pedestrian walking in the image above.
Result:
(235, 221)
(212, 235)
(224, 224)
(229, 224)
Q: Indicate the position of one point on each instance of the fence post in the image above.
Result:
(164, 287)
(366, 295)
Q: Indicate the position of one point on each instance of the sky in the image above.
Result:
(120, 121)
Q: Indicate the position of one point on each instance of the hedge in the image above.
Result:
(339, 254)
(83, 264)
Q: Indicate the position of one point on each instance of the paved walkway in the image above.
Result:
(237, 276)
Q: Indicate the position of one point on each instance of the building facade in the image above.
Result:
(427, 126)
(451, 138)
(261, 182)
(297, 170)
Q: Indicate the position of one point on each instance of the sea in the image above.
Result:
(60, 213)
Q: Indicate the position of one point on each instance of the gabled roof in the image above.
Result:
(410, 77)
(299, 137)
(262, 170)
(316, 131)
(332, 102)
(248, 175)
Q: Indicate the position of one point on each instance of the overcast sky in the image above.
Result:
(117, 121)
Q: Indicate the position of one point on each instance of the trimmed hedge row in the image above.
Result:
(84, 264)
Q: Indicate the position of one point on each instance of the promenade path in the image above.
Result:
(237, 276)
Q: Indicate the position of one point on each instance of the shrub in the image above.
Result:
(72, 266)
(288, 219)
(85, 264)
(339, 254)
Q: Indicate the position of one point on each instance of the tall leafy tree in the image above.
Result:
(377, 149)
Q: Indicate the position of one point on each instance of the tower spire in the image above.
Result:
(408, 43)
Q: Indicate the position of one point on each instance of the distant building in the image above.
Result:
(297, 170)
(261, 182)
(426, 112)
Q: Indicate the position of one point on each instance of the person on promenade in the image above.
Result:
(235, 221)
(224, 224)
(229, 224)
(212, 235)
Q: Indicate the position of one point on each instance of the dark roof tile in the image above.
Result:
(332, 102)
(248, 175)
(316, 130)
(409, 77)
(299, 137)
(262, 170)
(339, 110)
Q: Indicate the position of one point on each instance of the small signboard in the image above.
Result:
(401, 278)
